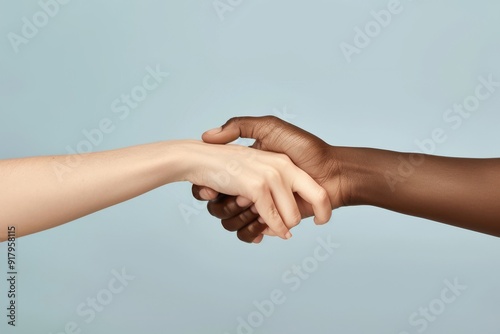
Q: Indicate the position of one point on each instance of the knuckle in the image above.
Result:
(285, 159)
(296, 218)
(255, 228)
(240, 221)
(227, 211)
(271, 119)
(272, 175)
(282, 161)
(247, 216)
(222, 210)
(273, 213)
(233, 120)
(260, 186)
(322, 195)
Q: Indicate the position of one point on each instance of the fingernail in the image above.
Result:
(288, 235)
(204, 193)
(214, 131)
(260, 220)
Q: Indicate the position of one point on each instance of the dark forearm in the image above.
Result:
(455, 191)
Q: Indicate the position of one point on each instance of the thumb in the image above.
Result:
(244, 127)
(202, 193)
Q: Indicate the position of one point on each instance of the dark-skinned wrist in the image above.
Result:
(359, 177)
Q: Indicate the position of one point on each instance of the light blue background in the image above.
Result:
(265, 57)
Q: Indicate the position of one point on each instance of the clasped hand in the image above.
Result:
(284, 187)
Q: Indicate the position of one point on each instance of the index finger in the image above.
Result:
(225, 207)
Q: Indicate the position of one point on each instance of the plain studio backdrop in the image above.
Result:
(377, 74)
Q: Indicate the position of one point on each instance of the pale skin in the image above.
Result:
(36, 196)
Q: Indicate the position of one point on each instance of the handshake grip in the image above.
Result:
(308, 152)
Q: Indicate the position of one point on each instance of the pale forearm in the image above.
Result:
(456, 191)
(43, 192)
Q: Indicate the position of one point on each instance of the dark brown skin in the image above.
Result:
(456, 191)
